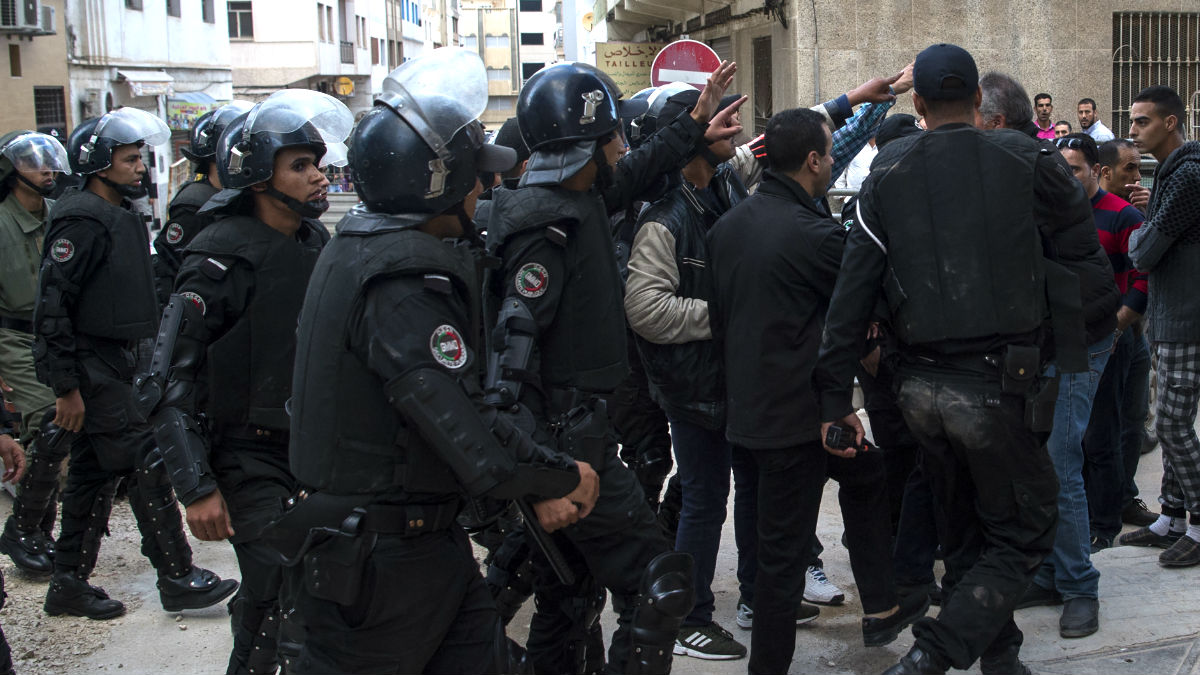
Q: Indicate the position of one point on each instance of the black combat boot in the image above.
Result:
(915, 662)
(1004, 663)
(68, 594)
(27, 549)
(197, 589)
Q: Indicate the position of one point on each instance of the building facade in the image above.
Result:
(34, 62)
(515, 39)
(801, 53)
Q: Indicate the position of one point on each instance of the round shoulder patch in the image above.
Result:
(448, 347)
(62, 250)
(532, 280)
(196, 300)
(174, 233)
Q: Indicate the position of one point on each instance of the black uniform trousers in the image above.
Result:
(995, 483)
(790, 483)
(614, 544)
(114, 442)
(254, 480)
(423, 608)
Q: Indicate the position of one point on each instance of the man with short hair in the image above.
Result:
(1069, 570)
(1121, 172)
(1167, 247)
(1061, 128)
(770, 288)
(1043, 107)
(1090, 124)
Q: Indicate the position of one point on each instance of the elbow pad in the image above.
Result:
(508, 361)
(488, 457)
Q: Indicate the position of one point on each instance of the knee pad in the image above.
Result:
(510, 577)
(665, 598)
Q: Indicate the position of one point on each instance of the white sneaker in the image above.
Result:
(745, 615)
(820, 590)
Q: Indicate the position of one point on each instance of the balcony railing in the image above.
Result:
(347, 52)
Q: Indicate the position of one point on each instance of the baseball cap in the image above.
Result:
(945, 72)
(509, 136)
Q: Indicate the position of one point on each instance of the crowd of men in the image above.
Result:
(465, 356)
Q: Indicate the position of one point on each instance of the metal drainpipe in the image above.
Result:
(816, 59)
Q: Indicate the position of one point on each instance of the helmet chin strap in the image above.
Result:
(312, 209)
(127, 191)
(43, 191)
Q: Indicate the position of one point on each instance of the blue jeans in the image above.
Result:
(1113, 442)
(704, 459)
(1069, 567)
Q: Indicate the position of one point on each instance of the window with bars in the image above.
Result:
(1155, 48)
(241, 20)
(50, 109)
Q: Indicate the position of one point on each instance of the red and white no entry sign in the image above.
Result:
(684, 61)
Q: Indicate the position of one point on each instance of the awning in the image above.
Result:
(197, 97)
(147, 82)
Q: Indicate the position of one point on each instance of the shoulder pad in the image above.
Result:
(438, 283)
(214, 269)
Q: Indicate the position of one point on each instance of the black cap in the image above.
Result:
(509, 136)
(686, 100)
(896, 126)
(941, 62)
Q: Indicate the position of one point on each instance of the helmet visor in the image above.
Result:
(288, 110)
(130, 125)
(448, 85)
(37, 152)
(230, 112)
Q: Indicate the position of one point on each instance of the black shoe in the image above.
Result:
(27, 549)
(197, 589)
(915, 662)
(1004, 663)
(930, 589)
(1185, 552)
(1149, 443)
(881, 631)
(1136, 513)
(1099, 543)
(1036, 596)
(1080, 618)
(68, 594)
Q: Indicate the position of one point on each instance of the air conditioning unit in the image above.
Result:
(20, 15)
(48, 16)
(31, 15)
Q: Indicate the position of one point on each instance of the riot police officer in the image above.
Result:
(560, 349)
(95, 300)
(389, 426)
(13, 458)
(222, 363)
(29, 163)
(183, 221)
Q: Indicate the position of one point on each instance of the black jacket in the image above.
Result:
(773, 261)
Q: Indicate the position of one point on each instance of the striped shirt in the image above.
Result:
(1116, 219)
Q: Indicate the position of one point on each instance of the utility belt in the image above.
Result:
(12, 323)
(1018, 369)
(579, 422)
(332, 536)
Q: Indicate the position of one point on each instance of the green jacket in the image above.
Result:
(21, 235)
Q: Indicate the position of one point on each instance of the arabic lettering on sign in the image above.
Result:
(628, 63)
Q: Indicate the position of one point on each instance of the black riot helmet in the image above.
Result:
(207, 130)
(565, 112)
(288, 118)
(635, 130)
(570, 102)
(418, 151)
(30, 151)
(91, 144)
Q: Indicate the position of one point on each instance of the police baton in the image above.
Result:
(542, 539)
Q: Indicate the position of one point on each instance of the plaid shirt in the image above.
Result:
(850, 139)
